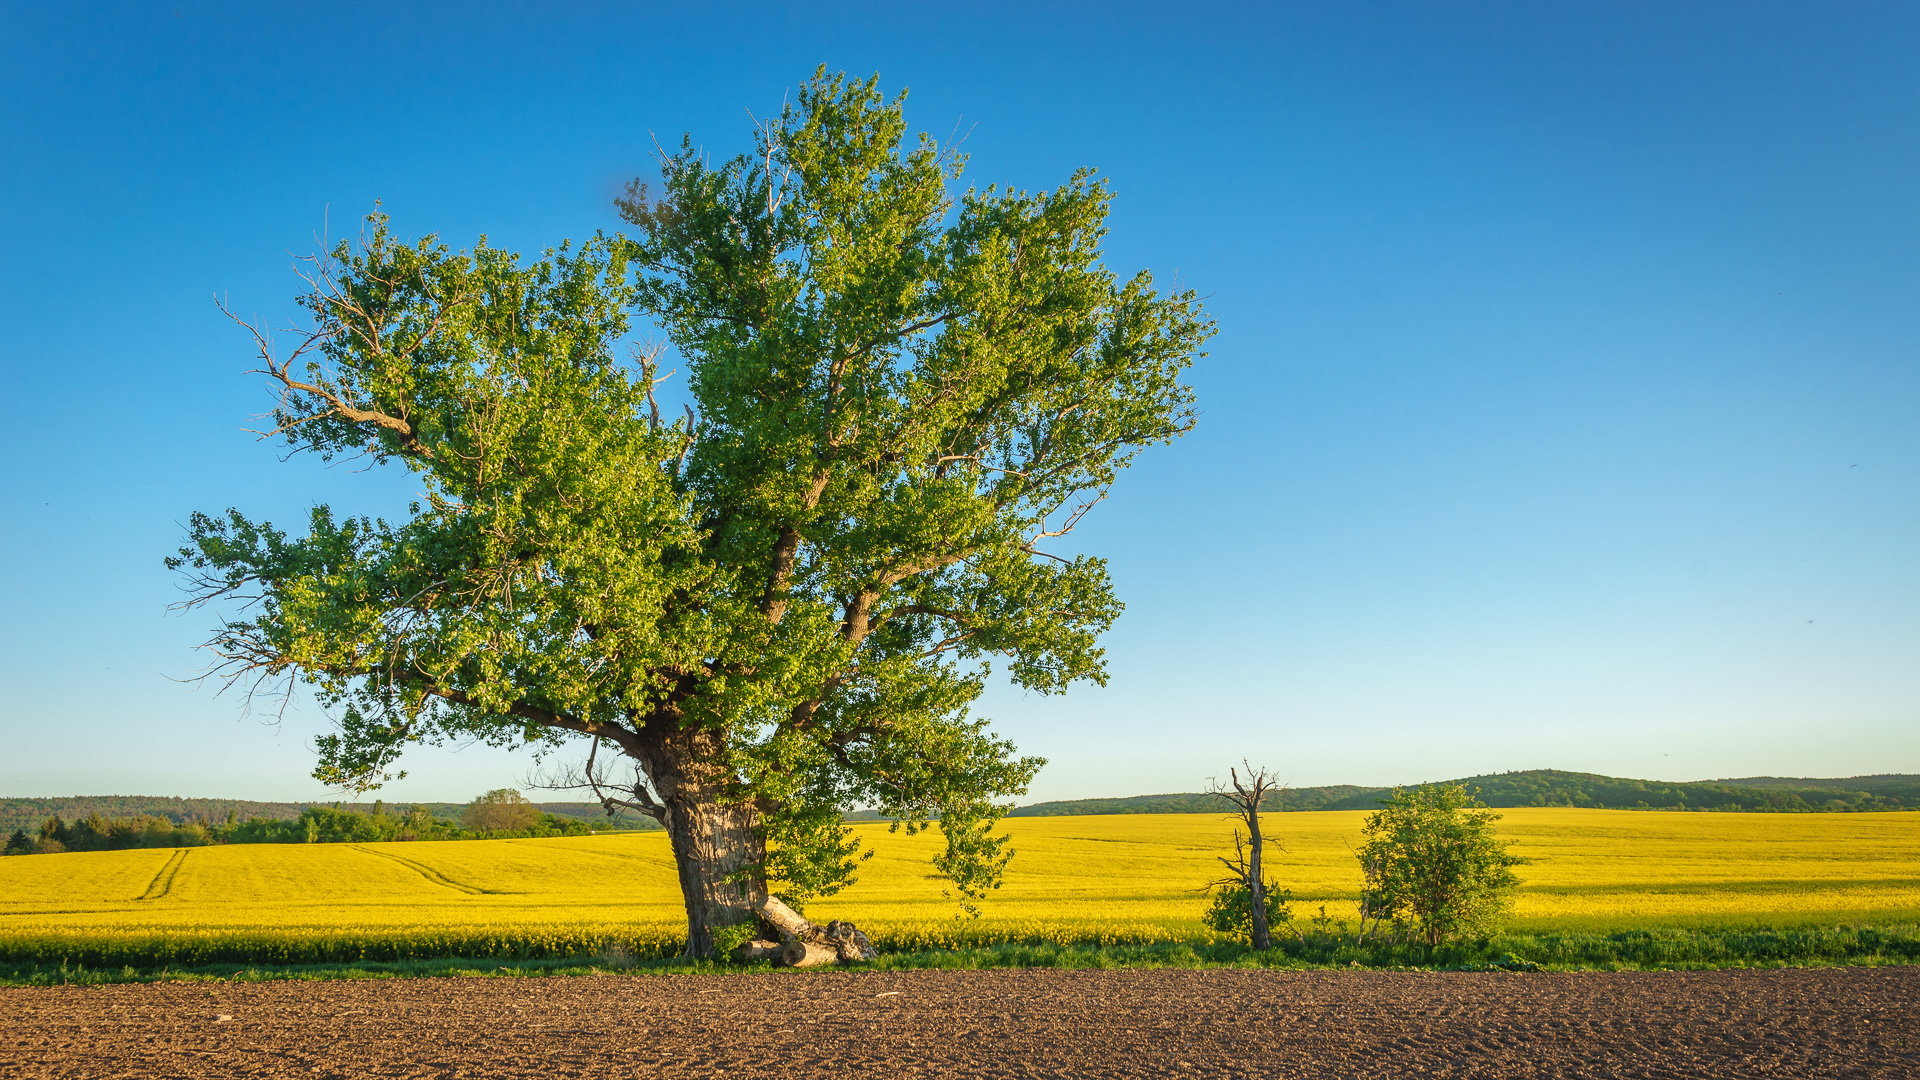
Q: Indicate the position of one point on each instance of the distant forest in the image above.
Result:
(1551, 787)
(143, 821)
(29, 814)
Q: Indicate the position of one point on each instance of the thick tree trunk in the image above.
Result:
(718, 847)
(720, 851)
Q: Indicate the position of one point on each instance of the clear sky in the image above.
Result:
(1563, 411)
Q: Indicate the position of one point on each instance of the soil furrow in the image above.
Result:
(1837, 1022)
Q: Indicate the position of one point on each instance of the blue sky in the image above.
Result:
(1562, 412)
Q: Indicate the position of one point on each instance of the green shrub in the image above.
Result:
(1231, 910)
(1431, 860)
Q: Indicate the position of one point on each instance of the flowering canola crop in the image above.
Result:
(1124, 879)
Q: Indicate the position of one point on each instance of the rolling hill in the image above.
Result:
(1552, 787)
(1533, 787)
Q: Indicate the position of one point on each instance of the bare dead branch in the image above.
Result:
(633, 795)
(1249, 845)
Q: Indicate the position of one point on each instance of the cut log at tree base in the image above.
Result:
(835, 943)
(806, 944)
(758, 950)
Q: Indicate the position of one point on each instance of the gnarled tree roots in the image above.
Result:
(806, 944)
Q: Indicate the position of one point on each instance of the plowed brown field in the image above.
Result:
(1796, 1023)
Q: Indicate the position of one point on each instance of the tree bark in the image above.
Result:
(758, 950)
(786, 921)
(1248, 864)
(797, 953)
(718, 847)
(1256, 881)
(720, 853)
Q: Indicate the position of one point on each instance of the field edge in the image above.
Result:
(1662, 949)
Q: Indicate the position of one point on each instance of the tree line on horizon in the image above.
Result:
(500, 814)
(23, 813)
(1532, 788)
(1554, 788)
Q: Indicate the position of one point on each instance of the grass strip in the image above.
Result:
(1636, 950)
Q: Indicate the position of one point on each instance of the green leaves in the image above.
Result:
(1431, 858)
(535, 583)
(1230, 909)
(902, 396)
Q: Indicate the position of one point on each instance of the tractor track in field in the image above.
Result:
(162, 882)
(429, 873)
(1322, 1025)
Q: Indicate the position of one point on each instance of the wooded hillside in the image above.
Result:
(1552, 787)
(29, 813)
(1534, 787)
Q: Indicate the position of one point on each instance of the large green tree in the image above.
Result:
(778, 605)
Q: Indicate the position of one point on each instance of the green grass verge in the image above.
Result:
(1639, 950)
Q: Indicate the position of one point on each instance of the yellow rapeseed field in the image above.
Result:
(1119, 879)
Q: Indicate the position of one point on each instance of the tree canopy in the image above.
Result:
(500, 810)
(1432, 863)
(779, 604)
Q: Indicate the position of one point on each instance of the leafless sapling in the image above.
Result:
(1249, 843)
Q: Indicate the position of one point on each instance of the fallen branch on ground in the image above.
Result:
(806, 944)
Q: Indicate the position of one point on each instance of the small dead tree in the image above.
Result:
(1249, 843)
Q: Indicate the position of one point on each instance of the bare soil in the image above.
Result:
(1855, 1022)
